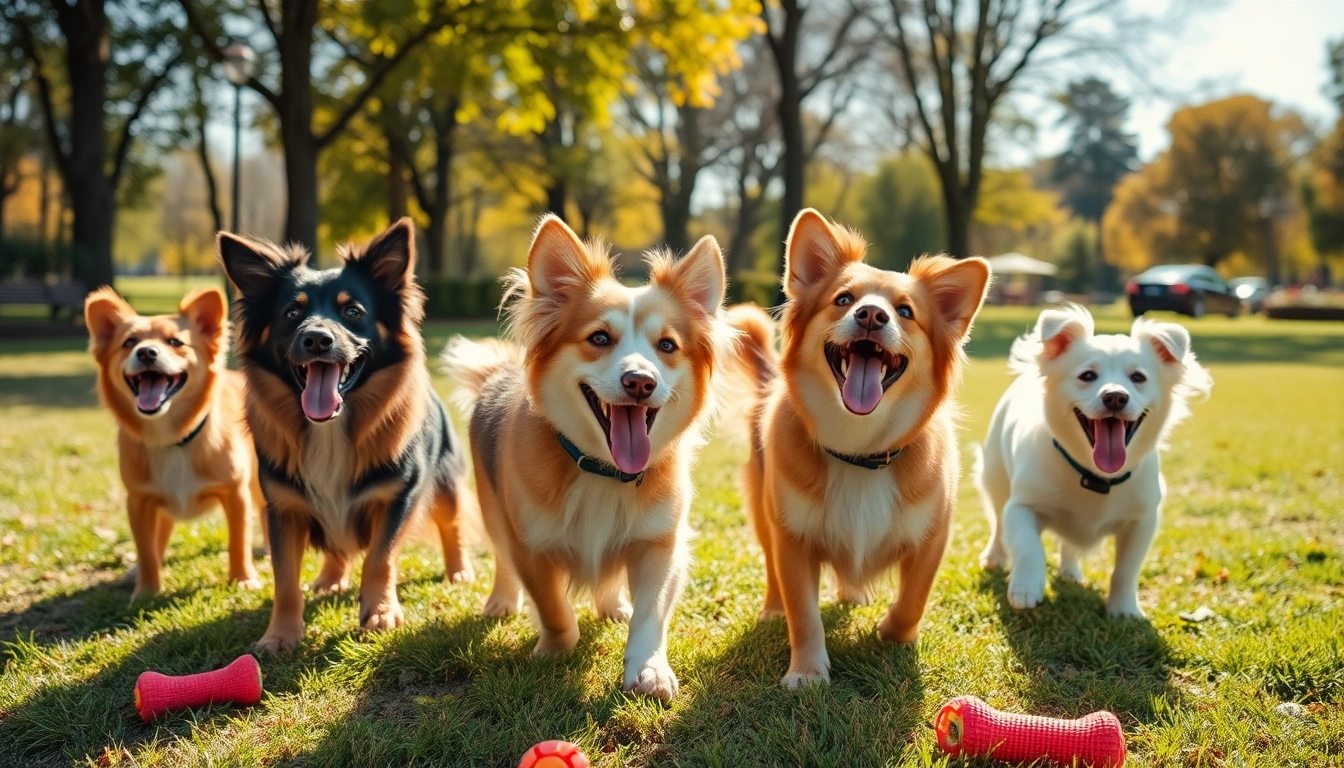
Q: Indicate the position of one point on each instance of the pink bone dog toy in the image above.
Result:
(238, 683)
(968, 726)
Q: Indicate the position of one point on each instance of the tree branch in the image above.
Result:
(376, 80)
(147, 93)
(268, 21)
(912, 81)
(212, 46)
(44, 96)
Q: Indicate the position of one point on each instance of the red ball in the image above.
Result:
(554, 754)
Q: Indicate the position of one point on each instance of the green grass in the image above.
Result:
(1256, 490)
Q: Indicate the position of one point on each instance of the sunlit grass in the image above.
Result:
(1252, 530)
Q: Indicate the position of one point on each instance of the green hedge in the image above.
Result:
(759, 287)
(32, 259)
(458, 299)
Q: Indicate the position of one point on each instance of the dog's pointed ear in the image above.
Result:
(813, 251)
(252, 265)
(699, 275)
(958, 287)
(206, 310)
(1171, 341)
(558, 260)
(390, 257)
(104, 312)
(1058, 329)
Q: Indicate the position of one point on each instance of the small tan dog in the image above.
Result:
(182, 442)
(854, 459)
(583, 437)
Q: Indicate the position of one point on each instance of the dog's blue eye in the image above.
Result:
(293, 313)
(131, 342)
(844, 300)
(352, 312)
(174, 342)
(905, 311)
(1087, 376)
(667, 345)
(599, 339)
(1137, 377)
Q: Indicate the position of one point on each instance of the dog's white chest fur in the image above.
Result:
(600, 516)
(326, 481)
(863, 513)
(174, 478)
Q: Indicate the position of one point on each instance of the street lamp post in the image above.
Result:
(239, 60)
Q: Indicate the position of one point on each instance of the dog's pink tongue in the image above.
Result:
(320, 398)
(150, 394)
(630, 437)
(863, 384)
(1109, 450)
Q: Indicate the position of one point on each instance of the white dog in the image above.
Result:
(1073, 447)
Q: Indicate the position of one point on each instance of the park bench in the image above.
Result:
(58, 296)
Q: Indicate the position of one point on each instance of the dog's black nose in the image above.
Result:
(871, 316)
(639, 384)
(1115, 400)
(316, 340)
(147, 355)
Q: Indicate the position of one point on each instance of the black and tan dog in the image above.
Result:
(352, 441)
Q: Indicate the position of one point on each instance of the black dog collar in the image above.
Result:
(194, 432)
(596, 466)
(868, 461)
(1091, 480)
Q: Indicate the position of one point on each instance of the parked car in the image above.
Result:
(1190, 289)
(1252, 292)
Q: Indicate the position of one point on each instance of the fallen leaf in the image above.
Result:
(1292, 709)
(1223, 576)
(1202, 613)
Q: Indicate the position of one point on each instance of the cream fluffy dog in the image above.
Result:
(1073, 448)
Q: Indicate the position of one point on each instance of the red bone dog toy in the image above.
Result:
(238, 683)
(968, 726)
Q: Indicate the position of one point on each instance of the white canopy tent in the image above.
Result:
(1020, 264)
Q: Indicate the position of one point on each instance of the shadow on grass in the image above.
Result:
(78, 721)
(67, 392)
(456, 692)
(1077, 659)
(735, 709)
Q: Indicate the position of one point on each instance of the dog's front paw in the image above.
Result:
(144, 592)
(329, 585)
(1025, 588)
(889, 632)
(851, 595)
(462, 574)
(992, 559)
(1126, 607)
(654, 679)
(556, 642)
(278, 641)
(614, 609)
(248, 582)
(383, 617)
(498, 606)
(1071, 572)
(799, 678)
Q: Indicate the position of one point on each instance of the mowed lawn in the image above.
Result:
(1253, 529)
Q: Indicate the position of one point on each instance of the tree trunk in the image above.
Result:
(211, 187)
(86, 180)
(957, 213)
(556, 194)
(741, 256)
(296, 124)
(398, 191)
(445, 128)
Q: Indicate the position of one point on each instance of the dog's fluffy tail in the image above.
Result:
(751, 368)
(470, 364)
